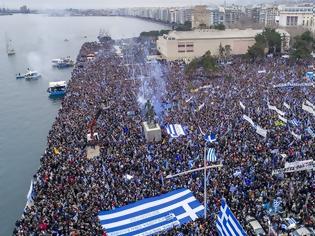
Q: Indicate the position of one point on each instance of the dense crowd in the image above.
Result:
(70, 190)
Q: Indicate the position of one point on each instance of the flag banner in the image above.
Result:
(283, 119)
(30, 193)
(310, 104)
(308, 109)
(245, 117)
(211, 155)
(188, 100)
(282, 85)
(200, 107)
(311, 132)
(210, 137)
(309, 75)
(295, 122)
(286, 105)
(152, 215)
(242, 105)
(261, 131)
(295, 167)
(227, 224)
(297, 136)
(175, 130)
(274, 108)
(261, 71)
(279, 123)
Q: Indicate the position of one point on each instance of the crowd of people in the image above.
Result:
(70, 190)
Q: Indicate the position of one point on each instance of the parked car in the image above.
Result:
(255, 226)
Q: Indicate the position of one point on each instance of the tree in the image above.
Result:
(228, 50)
(221, 51)
(207, 62)
(303, 46)
(269, 40)
(219, 26)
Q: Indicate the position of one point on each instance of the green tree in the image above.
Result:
(221, 51)
(207, 62)
(303, 45)
(228, 50)
(219, 26)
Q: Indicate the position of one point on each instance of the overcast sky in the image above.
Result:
(61, 4)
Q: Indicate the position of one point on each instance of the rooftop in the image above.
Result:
(211, 33)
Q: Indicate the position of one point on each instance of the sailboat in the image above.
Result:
(10, 49)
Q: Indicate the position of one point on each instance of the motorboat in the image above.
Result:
(9, 46)
(62, 62)
(57, 88)
(30, 75)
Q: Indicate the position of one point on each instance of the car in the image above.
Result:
(255, 226)
(303, 231)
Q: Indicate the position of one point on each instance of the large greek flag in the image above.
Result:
(211, 155)
(227, 224)
(152, 215)
(175, 130)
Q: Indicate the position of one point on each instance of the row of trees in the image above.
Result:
(270, 41)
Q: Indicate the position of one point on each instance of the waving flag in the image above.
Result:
(227, 224)
(242, 105)
(152, 215)
(286, 105)
(295, 122)
(311, 132)
(245, 117)
(211, 155)
(175, 130)
(210, 137)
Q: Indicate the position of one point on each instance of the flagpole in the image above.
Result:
(205, 181)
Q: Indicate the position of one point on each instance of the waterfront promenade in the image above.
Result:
(70, 190)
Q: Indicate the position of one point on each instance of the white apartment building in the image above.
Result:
(293, 16)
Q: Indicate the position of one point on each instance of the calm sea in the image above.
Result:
(26, 112)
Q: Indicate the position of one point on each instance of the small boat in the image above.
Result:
(9, 46)
(57, 88)
(62, 62)
(19, 76)
(30, 75)
(66, 40)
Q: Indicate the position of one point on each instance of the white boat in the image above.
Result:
(32, 75)
(57, 88)
(62, 62)
(9, 46)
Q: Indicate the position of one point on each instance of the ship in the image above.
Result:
(61, 63)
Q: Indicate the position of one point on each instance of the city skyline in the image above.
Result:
(60, 4)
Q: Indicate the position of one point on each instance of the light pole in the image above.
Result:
(204, 168)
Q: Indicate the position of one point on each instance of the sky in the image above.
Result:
(61, 4)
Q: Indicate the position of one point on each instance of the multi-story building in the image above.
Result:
(217, 15)
(268, 15)
(200, 17)
(293, 16)
(233, 14)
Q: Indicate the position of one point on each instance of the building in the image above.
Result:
(293, 16)
(268, 15)
(233, 14)
(217, 16)
(200, 17)
(191, 44)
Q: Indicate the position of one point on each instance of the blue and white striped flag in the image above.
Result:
(210, 137)
(295, 122)
(211, 155)
(227, 224)
(175, 130)
(311, 132)
(152, 215)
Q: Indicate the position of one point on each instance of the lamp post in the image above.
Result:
(204, 168)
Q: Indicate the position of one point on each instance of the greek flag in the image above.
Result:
(311, 132)
(276, 204)
(152, 215)
(227, 224)
(211, 155)
(210, 137)
(175, 130)
(295, 122)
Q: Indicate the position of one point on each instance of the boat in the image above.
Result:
(57, 88)
(66, 40)
(30, 75)
(103, 36)
(62, 62)
(10, 49)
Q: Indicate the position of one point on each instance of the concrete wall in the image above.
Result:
(170, 50)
